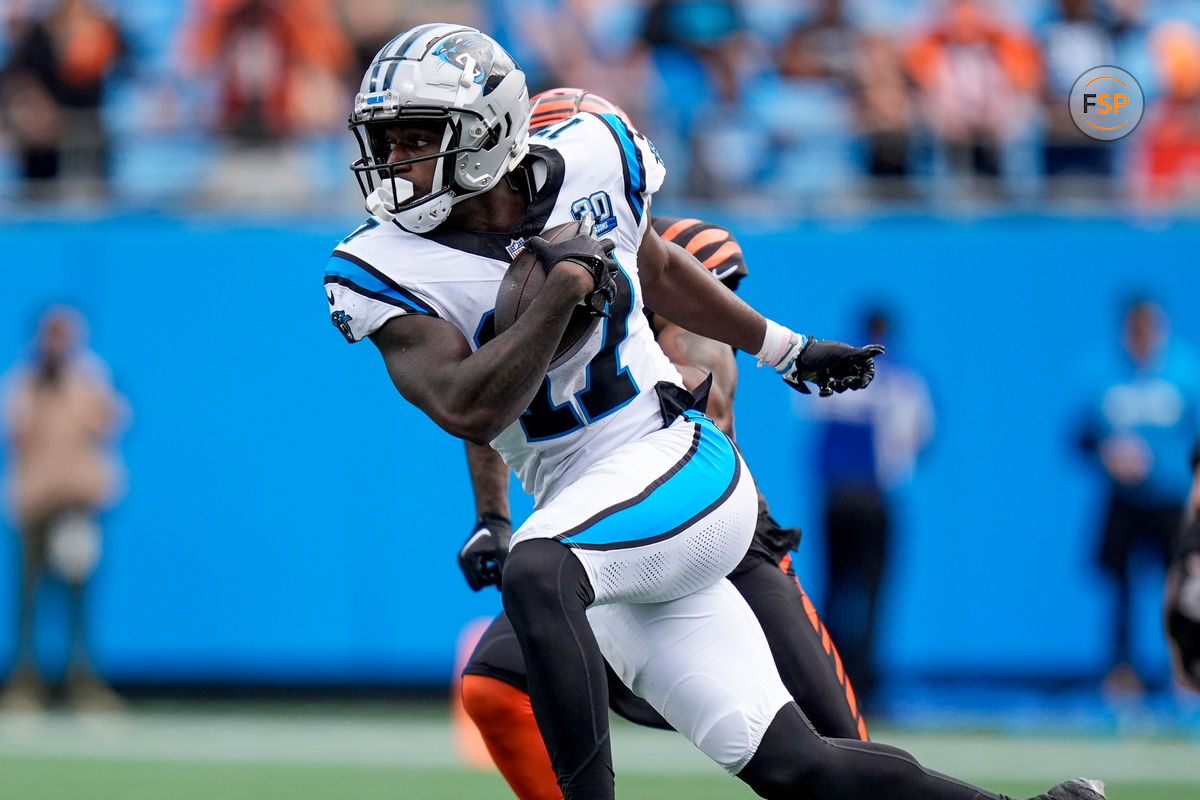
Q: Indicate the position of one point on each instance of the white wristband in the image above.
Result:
(777, 345)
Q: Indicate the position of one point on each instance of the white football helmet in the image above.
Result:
(447, 74)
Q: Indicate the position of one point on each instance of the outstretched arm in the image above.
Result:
(679, 288)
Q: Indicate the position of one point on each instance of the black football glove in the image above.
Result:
(481, 559)
(586, 250)
(831, 367)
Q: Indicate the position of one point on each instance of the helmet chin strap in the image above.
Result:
(423, 218)
(428, 215)
(383, 202)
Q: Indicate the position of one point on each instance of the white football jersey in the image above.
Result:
(603, 396)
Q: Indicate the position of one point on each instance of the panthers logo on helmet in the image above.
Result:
(471, 50)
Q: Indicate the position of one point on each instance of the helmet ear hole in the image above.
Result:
(493, 137)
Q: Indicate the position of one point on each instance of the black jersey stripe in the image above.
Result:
(403, 295)
(342, 280)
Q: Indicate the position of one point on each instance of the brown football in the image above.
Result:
(522, 282)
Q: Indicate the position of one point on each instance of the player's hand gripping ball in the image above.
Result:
(570, 241)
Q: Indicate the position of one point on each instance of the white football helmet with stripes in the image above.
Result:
(447, 74)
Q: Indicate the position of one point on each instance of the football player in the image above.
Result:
(493, 681)
(1183, 589)
(642, 505)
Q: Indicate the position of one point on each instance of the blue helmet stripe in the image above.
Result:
(358, 275)
(391, 73)
(414, 35)
(386, 52)
(397, 49)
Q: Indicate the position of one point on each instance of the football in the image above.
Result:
(522, 282)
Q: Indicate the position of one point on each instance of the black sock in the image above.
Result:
(793, 762)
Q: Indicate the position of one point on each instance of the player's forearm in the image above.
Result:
(500, 379)
(685, 293)
(489, 480)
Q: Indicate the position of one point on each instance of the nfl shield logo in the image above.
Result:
(515, 247)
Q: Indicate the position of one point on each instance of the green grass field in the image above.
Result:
(311, 753)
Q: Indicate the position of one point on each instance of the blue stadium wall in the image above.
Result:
(290, 520)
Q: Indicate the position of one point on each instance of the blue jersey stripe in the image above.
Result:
(634, 169)
(702, 479)
(357, 274)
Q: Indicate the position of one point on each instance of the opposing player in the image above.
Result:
(642, 505)
(1183, 588)
(494, 681)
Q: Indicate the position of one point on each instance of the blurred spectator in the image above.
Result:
(1170, 134)
(587, 44)
(699, 50)
(1079, 38)
(51, 92)
(978, 79)
(804, 114)
(867, 447)
(280, 68)
(60, 415)
(828, 40)
(370, 24)
(1139, 429)
(884, 100)
(1130, 28)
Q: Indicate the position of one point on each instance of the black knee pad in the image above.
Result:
(541, 573)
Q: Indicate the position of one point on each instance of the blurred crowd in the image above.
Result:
(824, 104)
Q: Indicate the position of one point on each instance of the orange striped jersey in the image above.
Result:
(714, 246)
